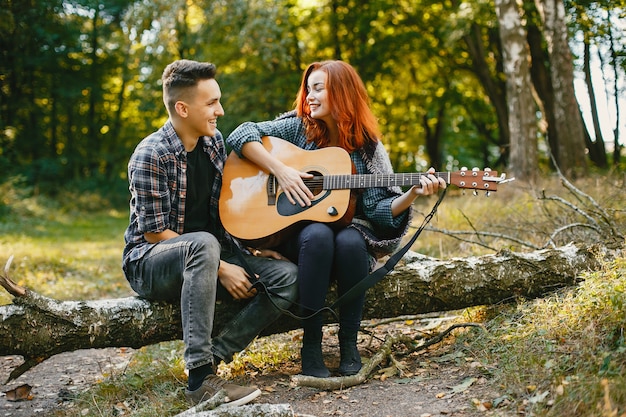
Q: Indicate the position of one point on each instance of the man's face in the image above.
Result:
(204, 107)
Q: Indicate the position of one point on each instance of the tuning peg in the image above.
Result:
(475, 169)
(487, 170)
(464, 169)
(488, 194)
(475, 192)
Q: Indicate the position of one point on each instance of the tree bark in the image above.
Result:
(39, 327)
(570, 151)
(521, 105)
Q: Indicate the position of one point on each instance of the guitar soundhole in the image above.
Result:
(316, 183)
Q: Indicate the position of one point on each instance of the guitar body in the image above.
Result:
(253, 207)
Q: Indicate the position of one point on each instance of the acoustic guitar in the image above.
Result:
(254, 210)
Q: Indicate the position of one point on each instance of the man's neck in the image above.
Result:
(189, 139)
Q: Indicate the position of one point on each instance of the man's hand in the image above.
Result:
(235, 279)
(267, 253)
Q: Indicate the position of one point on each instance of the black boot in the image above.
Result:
(313, 361)
(311, 352)
(350, 363)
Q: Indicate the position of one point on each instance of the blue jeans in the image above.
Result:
(185, 268)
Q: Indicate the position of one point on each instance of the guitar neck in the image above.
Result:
(341, 182)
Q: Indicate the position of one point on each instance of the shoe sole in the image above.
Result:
(246, 399)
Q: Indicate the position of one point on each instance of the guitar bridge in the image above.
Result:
(271, 187)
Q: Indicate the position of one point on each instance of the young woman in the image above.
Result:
(332, 109)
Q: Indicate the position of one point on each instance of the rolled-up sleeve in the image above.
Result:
(289, 129)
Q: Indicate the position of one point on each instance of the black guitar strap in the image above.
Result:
(369, 281)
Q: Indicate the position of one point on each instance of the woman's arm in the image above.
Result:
(290, 129)
(290, 179)
(430, 184)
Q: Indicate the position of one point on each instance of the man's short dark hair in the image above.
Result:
(179, 76)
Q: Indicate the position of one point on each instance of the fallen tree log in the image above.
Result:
(38, 327)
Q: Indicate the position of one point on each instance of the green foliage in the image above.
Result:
(562, 355)
(80, 84)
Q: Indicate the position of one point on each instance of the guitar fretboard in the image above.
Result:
(339, 182)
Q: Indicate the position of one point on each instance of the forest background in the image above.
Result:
(454, 83)
(518, 86)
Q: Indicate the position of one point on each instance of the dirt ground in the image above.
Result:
(433, 383)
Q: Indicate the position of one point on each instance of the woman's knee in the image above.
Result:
(317, 235)
(350, 241)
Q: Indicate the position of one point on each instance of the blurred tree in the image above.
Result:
(596, 23)
(521, 104)
(80, 79)
(476, 27)
(569, 152)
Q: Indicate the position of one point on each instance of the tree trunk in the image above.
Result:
(38, 327)
(494, 87)
(570, 151)
(521, 105)
(433, 136)
(616, 95)
(540, 74)
(597, 151)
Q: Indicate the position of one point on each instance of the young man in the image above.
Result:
(176, 247)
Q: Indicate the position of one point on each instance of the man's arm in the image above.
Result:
(157, 237)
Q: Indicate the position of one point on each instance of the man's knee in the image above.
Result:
(205, 243)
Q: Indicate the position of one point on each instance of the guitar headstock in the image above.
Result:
(475, 179)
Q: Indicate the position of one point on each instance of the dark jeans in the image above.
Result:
(185, 268)
(323, 255)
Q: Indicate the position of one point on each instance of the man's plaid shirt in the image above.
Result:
(158, 187)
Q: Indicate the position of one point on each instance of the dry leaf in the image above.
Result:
(539, 397)
(464, 385)
(20, 393)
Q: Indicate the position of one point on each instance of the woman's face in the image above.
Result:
(317, 97)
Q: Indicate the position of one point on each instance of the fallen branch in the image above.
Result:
(6, 282)
(582, 213)
(38, 327)
(383, 353)
(216, 407)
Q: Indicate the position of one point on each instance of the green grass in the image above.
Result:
(66, 251)
(562, 355)
(152, 385)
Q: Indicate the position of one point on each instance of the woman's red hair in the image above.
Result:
(349, 104)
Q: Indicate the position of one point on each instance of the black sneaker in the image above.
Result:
(212, 384)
